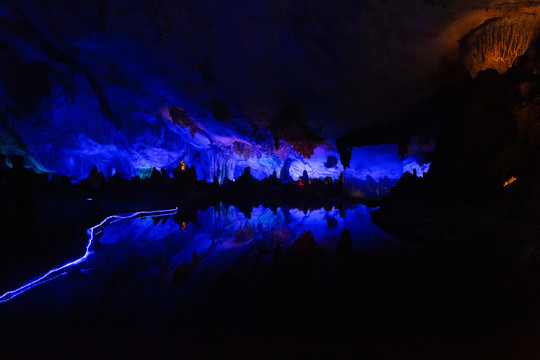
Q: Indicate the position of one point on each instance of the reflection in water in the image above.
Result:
(92, 233)
(137, 258)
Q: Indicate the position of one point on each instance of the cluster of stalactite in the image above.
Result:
(290, 125)
(304, 148)
(497, 43)
(182, 118)
(243, 149)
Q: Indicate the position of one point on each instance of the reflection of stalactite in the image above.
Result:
(497, 43)
(244, 234)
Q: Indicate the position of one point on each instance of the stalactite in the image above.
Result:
(245, 150)
(182, 118)
(497, 43)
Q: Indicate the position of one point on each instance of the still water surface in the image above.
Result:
(145, 259)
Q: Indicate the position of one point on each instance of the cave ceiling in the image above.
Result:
(230, 73)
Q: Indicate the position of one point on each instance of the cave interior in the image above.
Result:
(273, 179)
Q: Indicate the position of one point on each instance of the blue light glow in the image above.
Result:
(376, 169)
(76, 136)
(139, 254)
(56, 272)
(381, 161)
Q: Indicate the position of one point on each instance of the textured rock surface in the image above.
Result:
(93, 83)
(488, 133)
(497, 43)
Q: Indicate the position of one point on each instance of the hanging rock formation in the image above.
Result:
(235, 85)
(497, 43)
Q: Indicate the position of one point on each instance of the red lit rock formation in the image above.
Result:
(290, 125)
(180, 117)
(497, 43)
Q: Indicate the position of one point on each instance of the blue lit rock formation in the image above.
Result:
(220, 85)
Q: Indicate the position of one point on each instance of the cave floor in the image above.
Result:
(443, 300)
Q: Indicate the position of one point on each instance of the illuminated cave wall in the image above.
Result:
(75, 94)
(68, 134)
(375, 169)
(92, 83)
(74, 136)
(497, 43)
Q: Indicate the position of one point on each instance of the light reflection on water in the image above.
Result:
(135, 259)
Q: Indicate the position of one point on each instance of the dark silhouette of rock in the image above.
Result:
(94, 183)
(20, 185)
(5, 226)
(331, 161)
(284, 172)
(183, 272)
(331, 222)
(344, 247)
(305, 178)
(304, 242)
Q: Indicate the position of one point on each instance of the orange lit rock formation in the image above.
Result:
(497, 43)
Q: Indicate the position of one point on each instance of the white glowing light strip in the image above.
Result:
(54, 273)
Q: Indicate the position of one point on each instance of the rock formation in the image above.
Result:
(497, 43)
